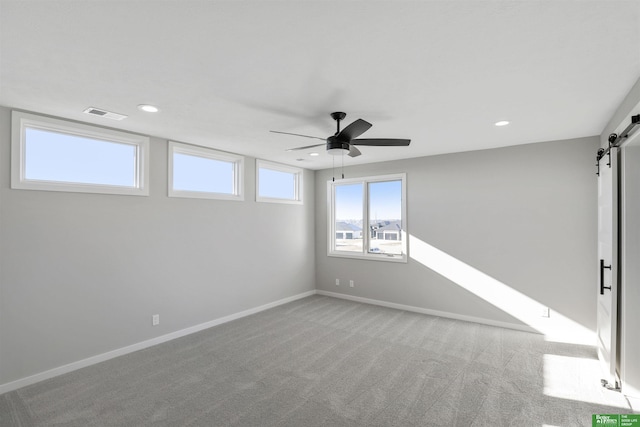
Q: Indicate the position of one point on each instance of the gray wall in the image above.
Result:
(81, 274)
(523, 215)
(620, 119)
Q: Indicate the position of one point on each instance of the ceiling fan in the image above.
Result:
(344, 140)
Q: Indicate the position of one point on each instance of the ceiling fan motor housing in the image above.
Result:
(336, 147)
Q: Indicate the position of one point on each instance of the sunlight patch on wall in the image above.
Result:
(555, 328)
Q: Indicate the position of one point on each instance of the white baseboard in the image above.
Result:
(445, 314)
(23, 382)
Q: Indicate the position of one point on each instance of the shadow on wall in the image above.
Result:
(554, 328)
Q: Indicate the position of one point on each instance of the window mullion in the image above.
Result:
(333, 216)
(331, 194)
(365, 218)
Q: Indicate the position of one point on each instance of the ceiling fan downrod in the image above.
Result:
(337, 116)
(335, 146)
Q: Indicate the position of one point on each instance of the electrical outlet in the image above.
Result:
(337, 282)
(155, 320)
(544, 312)
(351, 284)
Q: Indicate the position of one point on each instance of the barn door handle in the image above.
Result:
(602, 286)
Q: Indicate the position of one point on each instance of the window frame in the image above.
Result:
(20, 121)
(365, 254)
(298, 182)
(207, 153)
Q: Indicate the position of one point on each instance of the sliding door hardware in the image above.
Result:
(616, 140)
(602, 286)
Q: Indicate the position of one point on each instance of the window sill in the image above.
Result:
(370, 257)
(274, 200)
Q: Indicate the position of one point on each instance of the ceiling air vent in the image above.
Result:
(104, 113)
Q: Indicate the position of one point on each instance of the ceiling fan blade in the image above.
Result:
(354, 130)
(353, 151)
(297, 134)
(304, 148)
(382, 142)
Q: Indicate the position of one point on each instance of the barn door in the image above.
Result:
(607, 289)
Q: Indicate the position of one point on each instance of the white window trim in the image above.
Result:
(298, 172)
(331, 251)
(208, 153)
(20, 121)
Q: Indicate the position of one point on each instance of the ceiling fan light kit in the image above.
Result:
(344, 142)
(336, 148)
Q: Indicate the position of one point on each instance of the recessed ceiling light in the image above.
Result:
(314, 154)
(148, 108)
(502, 123)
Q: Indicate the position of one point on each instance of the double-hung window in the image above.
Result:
(367, 218)
(58, 155)
(199, 172)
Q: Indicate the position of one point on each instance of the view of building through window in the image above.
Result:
(381, 231)
(349, 217)
(385, 217)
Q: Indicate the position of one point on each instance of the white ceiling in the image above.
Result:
(224, 73)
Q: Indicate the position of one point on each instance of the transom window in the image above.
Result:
(367, 218)
(201, 172)
(57, 155)
(278, 183)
